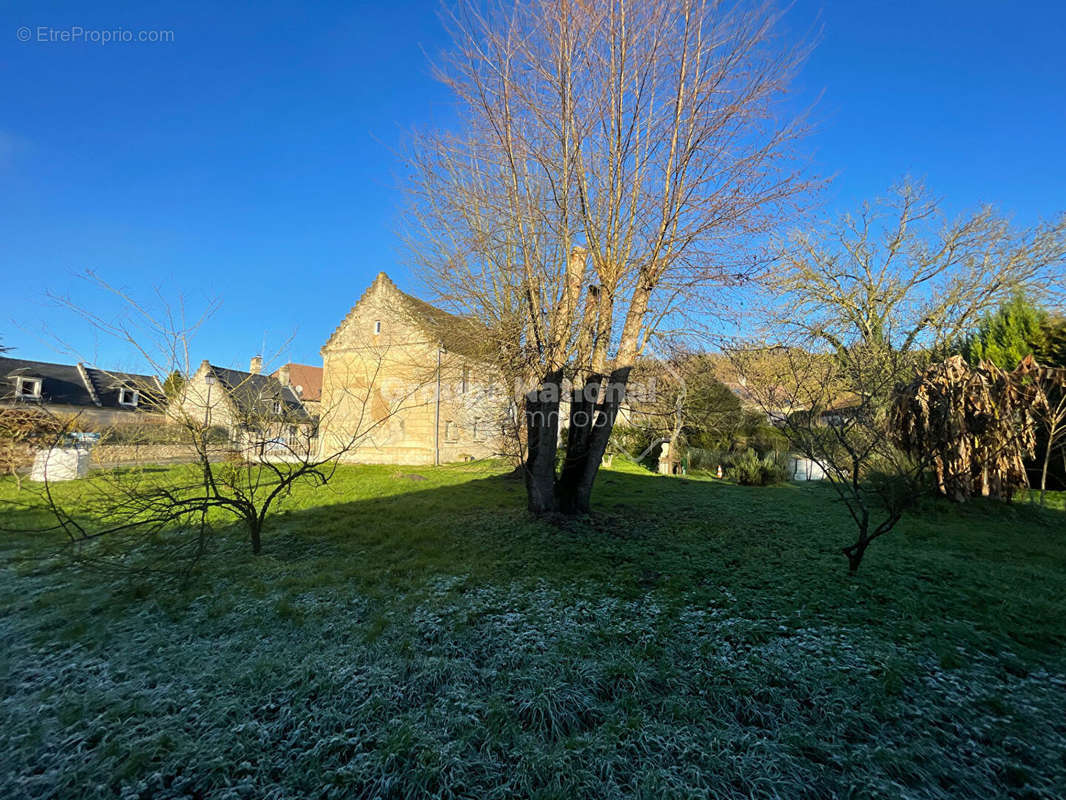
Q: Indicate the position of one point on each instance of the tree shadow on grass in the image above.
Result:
(764, 551)
(769, 548)
(646, 531)
(481, 525)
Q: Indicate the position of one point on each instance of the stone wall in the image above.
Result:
(104, 455)
(380, 392)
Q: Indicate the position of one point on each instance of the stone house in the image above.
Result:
(405, 382)
(306, 382)
(251, 406)
(98, 398)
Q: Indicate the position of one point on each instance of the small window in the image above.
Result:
(377, 326)
(277, 406)
(479, 430)
(451, 431)
(29, 388)
(465, 383)
(128, 397)
(294, 436)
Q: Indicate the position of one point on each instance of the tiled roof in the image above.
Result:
(306, 380)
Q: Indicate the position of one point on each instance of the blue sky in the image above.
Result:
(252, 158)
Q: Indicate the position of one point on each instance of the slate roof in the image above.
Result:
(254, 393)
(457, 334)
(107, 384)
(78, 385)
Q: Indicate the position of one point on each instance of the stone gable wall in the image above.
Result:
(380, 389)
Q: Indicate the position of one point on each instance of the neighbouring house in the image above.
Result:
(405, 382)
(251, 406)
(306, 382)
(98, 398)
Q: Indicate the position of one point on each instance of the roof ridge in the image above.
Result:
(297, 364)
(432, 320)
(384, 280)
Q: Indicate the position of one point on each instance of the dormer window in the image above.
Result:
(277, 406)
(128, 397)
(377, 326)
(28, 388)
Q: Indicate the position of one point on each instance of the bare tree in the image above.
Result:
(900, 277)
(610, 161)
(839, 422)
(245, 438)
(858, 312)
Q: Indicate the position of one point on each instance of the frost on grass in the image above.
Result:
(463, 690)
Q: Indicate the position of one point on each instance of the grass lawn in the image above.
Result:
(425, 638)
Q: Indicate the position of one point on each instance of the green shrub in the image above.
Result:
(775, 468)
(749, 470)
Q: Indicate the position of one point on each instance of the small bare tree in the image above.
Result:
(838, 420)
(245, 438)
(610, 161)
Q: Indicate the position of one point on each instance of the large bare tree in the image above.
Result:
(901, 276)
(610, 161)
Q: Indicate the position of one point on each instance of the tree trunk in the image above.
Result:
(856, 551)
(542, 429)
(593, 410)
(855, 554)
(257, 542)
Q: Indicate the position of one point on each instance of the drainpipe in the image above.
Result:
(436, 426)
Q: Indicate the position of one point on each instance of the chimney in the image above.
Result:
(256, 365)
(205, 365)
(283, 374)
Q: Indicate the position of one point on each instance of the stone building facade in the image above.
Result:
(405, 382)
(251, 406)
